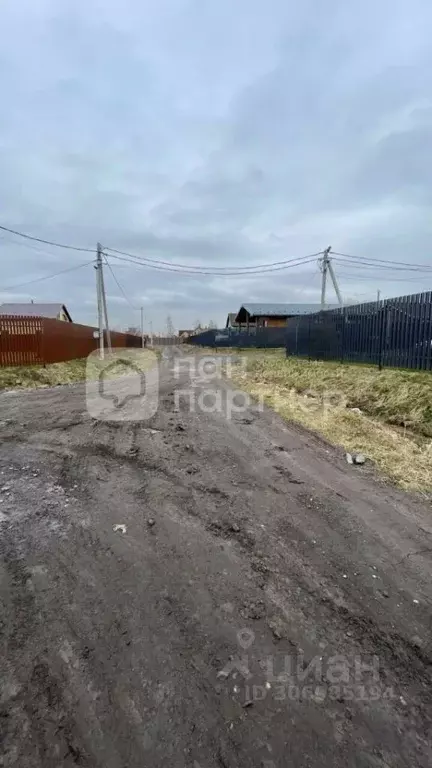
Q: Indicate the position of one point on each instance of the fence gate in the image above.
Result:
(21, 340)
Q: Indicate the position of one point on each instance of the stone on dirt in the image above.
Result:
(359, 458)
(119, 528)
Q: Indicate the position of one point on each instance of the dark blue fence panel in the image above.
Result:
(395, 332)
(266, 338)
(205, 339)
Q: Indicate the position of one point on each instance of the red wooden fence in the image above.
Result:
(40, 340)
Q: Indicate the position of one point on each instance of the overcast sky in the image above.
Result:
(213, 132)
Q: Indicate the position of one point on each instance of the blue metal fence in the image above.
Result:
(267, 338)
(395, 332)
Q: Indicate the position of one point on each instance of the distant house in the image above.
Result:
(230, 321)
(184, 334)
(233, 324)
(271, 315)
(31, 309)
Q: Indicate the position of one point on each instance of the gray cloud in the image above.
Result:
(213, 133)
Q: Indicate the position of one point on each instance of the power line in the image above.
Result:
(167, 264)
(193, 268)
(311, 277)
(24, 244)
(215, 274)
(296, 263)
(47, 242)
(368, 261)
(372, 265)
(118, 284)
(46, 277)
(383, 261)
(374, 278)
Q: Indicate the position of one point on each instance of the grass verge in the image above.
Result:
(393, 428)
(31, 376)
(36, 376)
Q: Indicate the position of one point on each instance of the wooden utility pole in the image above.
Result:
(102, 305)
(99, 300)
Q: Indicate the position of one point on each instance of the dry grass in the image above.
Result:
(34, 376)
(393, 429)
(31, 376)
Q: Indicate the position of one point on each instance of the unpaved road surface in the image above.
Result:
(206, 639)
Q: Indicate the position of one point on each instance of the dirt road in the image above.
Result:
(205, 635)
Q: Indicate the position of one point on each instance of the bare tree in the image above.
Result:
(197, 324)
(170, 326)
(212, 325)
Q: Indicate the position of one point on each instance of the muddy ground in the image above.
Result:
(228, 625)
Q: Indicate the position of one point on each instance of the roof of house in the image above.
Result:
(279, 310)
(34, 310)
(231, 319)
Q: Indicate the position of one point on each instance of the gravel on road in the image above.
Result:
(201, 591)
